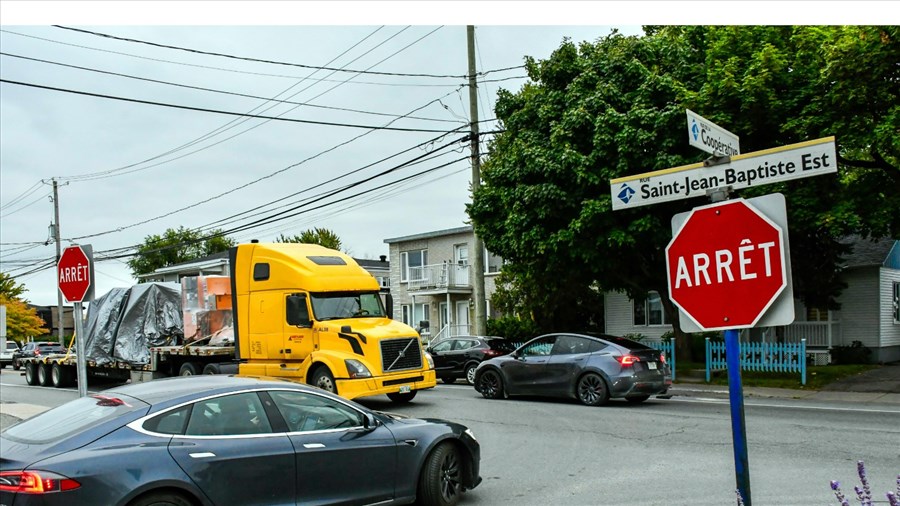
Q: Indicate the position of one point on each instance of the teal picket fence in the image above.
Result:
(765, 357)
(667, 346)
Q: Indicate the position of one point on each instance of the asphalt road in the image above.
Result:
(663, 452)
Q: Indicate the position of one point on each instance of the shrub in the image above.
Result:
(512, 328)
(856, 353)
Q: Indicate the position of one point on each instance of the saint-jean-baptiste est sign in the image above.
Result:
(794, 161)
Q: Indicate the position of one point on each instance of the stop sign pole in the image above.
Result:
(75, 276)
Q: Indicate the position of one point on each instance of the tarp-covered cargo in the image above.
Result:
(126, 326)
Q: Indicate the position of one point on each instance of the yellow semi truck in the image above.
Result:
(300, 312)
(311, 314)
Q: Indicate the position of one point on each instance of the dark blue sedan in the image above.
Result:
(590, 368)
(227, 440)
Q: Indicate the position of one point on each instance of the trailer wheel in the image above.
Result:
(211, 369)
(61, 375)
(189, 369)
(44, 375)
(31, 373)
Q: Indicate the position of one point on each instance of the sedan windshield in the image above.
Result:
(339, 305)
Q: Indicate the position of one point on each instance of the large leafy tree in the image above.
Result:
(176, 246)
(321, 236)
(22, 321)
(597, 111)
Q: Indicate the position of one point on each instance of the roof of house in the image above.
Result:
(868, 252)
(428, 235)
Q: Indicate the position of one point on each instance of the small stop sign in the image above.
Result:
(74, 272)
(726, 265)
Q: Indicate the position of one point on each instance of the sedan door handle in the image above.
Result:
(313, 445)
(202, 455)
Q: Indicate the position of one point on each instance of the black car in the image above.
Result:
(590, 368)
(35, 349)
(223, 440)
(457, 357)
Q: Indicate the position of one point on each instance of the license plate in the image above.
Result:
(651, 365)
(405, 389)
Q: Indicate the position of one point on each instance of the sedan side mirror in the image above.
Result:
(370, 423)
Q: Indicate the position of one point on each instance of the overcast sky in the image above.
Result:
(128, 169)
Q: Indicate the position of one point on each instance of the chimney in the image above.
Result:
(383, 258)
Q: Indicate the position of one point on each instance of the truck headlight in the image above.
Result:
(429, 360)
(357, 369)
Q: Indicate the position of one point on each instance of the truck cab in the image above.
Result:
(311, 314)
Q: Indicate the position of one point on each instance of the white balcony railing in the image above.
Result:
(817, 334)
(439, 276)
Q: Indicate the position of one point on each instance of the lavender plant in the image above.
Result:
(864, 493)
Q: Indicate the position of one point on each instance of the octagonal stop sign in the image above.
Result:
(726, 265)
(74, 272)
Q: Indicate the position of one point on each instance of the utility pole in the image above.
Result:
(474, 139)
(59, 300)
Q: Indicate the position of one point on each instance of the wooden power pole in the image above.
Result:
(478, 254)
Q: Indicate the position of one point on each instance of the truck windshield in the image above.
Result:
(338, 305)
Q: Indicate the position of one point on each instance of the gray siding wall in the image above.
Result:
(618, 313)
(860, 307)
(890, 331)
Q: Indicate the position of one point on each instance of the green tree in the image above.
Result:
(10, 288)
(321, 236)
(612, 108)
(175, 247)
(22, 321)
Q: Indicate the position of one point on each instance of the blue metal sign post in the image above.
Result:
(738, 427)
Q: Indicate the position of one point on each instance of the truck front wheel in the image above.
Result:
(323, 379)
(403, 398)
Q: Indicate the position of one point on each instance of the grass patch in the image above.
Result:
(816, 376)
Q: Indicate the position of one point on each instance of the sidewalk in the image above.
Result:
(701, 389)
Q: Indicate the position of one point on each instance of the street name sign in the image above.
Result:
(728, 265)
(75, 271)
(794, 161)
(710, 137)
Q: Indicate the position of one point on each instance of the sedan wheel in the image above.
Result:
(490, 384)
(470, 374)
(440, 483)
(592, 390)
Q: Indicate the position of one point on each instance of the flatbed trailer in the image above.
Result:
(59, 370)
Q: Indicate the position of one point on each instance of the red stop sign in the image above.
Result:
(726, 265)
(74, 274)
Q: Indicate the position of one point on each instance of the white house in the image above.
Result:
(431, 280)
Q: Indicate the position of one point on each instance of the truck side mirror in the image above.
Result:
(297, 312)
(389, 302)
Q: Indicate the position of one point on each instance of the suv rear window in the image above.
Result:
(71, 418)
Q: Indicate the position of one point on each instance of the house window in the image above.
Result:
(896, 302)
(649, 311)
(421, 312)
(492, 262)
(404, 309)
(411, 263)
(816, 314)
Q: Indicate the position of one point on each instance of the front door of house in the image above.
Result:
(461, 264)
(462, 318)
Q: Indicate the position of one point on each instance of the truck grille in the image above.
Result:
(400, 354)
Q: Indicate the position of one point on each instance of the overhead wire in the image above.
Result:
(276, 62)
(217, 111)
(221, 69)
(24, 195)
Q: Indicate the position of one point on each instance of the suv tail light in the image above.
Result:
(492, 353)
(628, 359)
(662, 357)
(35, 482)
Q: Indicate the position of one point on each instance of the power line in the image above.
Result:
(275, 62)
(223, 92)
(208, 67)
(216, 111)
